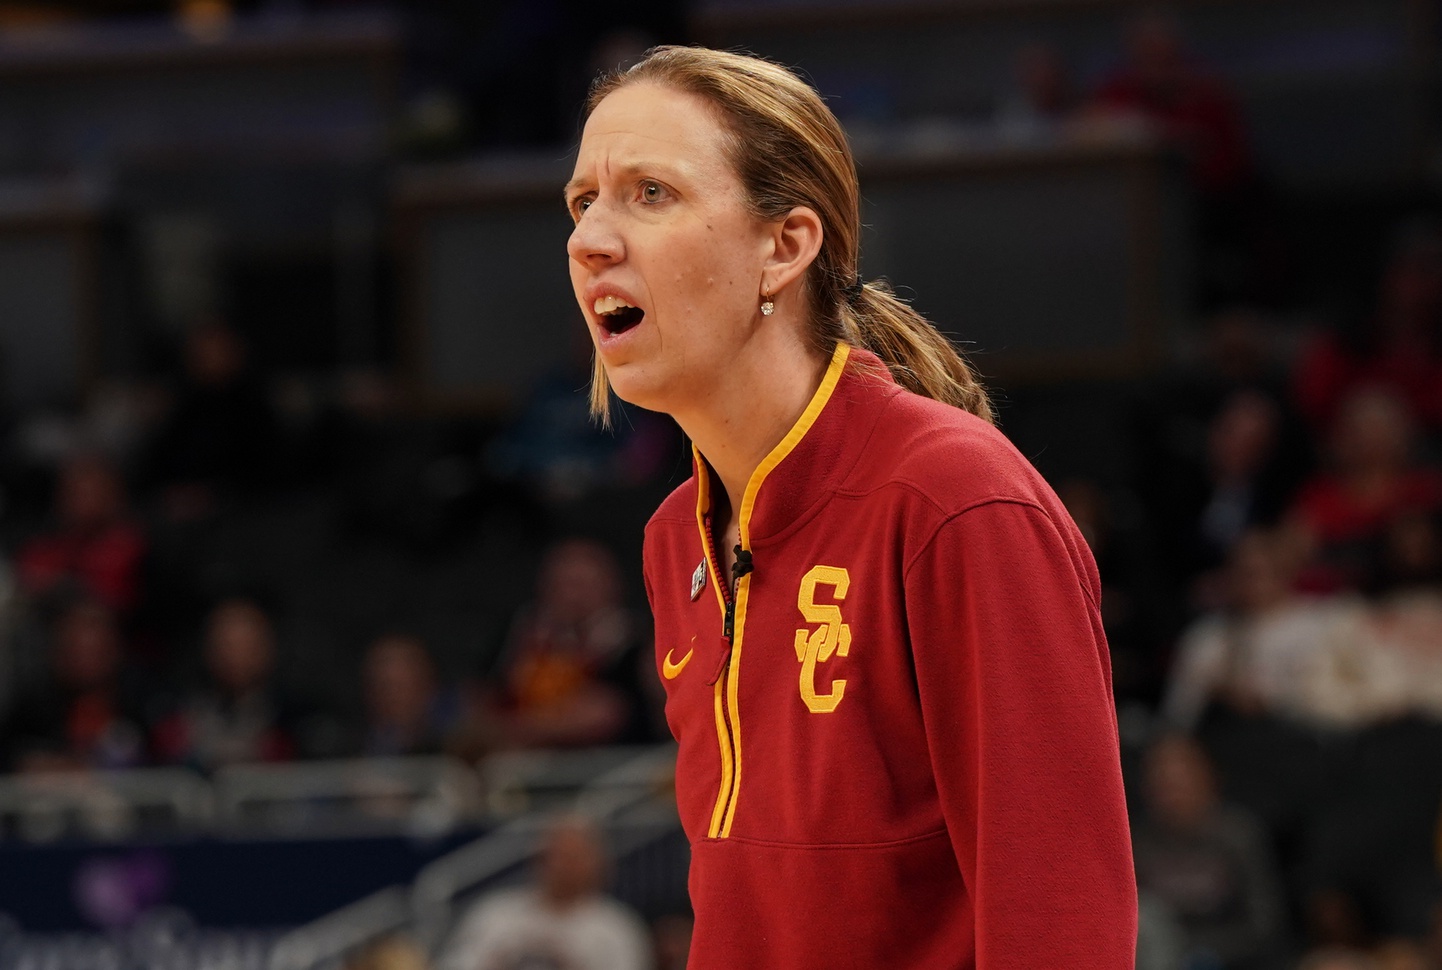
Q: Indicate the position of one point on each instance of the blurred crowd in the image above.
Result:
(1272, 563)
(123, 650)
(1280, 601)
(213, 565)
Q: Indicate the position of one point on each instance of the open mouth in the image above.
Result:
(617, 316)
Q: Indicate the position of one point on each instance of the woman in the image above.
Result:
(875, 624)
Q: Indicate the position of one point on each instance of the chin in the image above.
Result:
(640, 399)
(639, 389)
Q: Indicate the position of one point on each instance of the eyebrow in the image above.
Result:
(571, 187)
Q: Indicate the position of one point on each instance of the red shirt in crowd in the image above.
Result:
(1329, 372)
(105, 562)
(1335, 513)
(1197, 113)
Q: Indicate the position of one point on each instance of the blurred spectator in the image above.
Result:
(406, 711)
(571, 671)
(1161, 944)
(221, 433)
(1397, 347)
(94, 548)
(1241, 441)
(1209, 862)
(564, 921)
(1240, 489)
(1222, 451)
(1162, 84)
(1242, 253)
(1045, 95)
(91, 713)
(1372, 482)
(1271, 650)
(239, 715)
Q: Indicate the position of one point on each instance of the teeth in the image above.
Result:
(609, 304)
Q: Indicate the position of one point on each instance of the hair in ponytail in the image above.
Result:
(918, 355)
(789, 150)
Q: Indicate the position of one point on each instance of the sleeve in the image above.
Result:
(1015, 686)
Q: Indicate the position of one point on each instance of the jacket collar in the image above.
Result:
(812, 459)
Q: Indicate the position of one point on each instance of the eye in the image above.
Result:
(579, 205)
(653, 192)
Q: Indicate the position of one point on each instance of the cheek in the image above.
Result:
(713, 273)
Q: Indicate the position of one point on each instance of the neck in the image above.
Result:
(759, 399)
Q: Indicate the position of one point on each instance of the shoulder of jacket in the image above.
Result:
(950, 457)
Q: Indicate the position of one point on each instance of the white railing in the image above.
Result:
(517, 782)
(105, 804)
(311, 799)
(417, 795)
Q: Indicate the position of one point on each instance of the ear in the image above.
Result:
(795, 241)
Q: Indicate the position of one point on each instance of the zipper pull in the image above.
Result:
(728, 628)
(742, 565)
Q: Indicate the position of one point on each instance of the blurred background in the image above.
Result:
(320, 594)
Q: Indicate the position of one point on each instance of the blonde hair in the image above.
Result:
(789, 150)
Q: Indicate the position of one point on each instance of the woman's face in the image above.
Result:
(666, 259)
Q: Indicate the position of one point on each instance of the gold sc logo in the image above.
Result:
(832, 638)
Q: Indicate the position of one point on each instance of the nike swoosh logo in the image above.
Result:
(671, 670)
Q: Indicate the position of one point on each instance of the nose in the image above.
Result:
(595, 241)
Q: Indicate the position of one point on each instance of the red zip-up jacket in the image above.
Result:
(897, 739)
